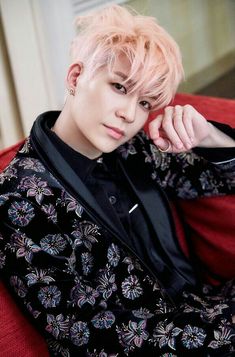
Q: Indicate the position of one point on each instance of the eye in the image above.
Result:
(119, 87)
(146, 104)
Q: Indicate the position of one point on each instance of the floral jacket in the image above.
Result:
(85, 289)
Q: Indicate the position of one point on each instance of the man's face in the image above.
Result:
(103, 114)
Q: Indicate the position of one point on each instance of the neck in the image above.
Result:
(67, 130)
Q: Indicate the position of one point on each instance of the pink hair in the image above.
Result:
(155, 59)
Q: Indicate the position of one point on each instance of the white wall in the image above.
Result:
(38, 33)
(205, 31)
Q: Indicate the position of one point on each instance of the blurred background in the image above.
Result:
(35, 37)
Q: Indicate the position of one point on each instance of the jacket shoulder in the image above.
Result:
(8, 154)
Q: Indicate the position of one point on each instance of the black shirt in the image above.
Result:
(104, 179)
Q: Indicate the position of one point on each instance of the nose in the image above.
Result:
(128, 111)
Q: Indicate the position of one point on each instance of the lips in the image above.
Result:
(114, 132)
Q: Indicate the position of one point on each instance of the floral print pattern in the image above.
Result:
(142, 313)
(103, 320)
(57, 325)
(23, 246)
(83, 295)
(193, 337)
(50, 211)
(86, 234)
(101, 353)
(70, 203)
(132, 335)
(132, 264)
(113, 255)
(127, 149)
(131, 287)
(32, 164)
(5, 197)
(79, 282)
(53, 243)
(57, 348)
(21, 213)
(8, 174)
(222, 337)
(35, 187)
(39, 276)
(18, 286)
(165, 334)
(49, 296)
(87, 263)
(80, 333)
(107, 284)
(2, 260)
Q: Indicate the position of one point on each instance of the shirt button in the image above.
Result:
(112, 200)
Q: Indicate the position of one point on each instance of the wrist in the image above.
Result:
(217, 138)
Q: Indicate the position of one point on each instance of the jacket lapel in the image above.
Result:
(72, 183)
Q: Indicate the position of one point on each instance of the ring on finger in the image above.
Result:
(167, 149)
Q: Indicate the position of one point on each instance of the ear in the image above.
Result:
(74, 72)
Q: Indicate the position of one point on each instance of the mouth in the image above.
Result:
(114, 132)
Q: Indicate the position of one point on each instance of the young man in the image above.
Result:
(87, 242)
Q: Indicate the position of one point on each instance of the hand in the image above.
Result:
(179, 129)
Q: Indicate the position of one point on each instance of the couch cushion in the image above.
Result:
(18, 337)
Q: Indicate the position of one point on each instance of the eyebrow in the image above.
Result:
(124, 77)
(121, 74)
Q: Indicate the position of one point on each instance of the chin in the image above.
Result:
(109, 150)
(106, 149)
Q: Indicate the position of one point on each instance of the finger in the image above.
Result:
(154, 127)
(163, 144)
(188, 122)
(180, 127)
(167, 125)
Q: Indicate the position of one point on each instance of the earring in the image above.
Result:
(71, 91)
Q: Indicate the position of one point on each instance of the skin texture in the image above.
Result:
(181, 128)
(103, 114)
(97, 106)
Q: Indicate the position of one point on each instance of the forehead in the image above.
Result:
(120, 68)
(121, 64)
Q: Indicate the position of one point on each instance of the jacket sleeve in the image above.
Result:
(198, 172)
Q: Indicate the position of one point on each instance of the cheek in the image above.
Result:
(99, 101)
(142, 118)
(139, 124)
(85, 106)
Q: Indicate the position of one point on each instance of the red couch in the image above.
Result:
(207, 221)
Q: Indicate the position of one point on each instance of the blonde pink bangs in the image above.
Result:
(155, 59)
